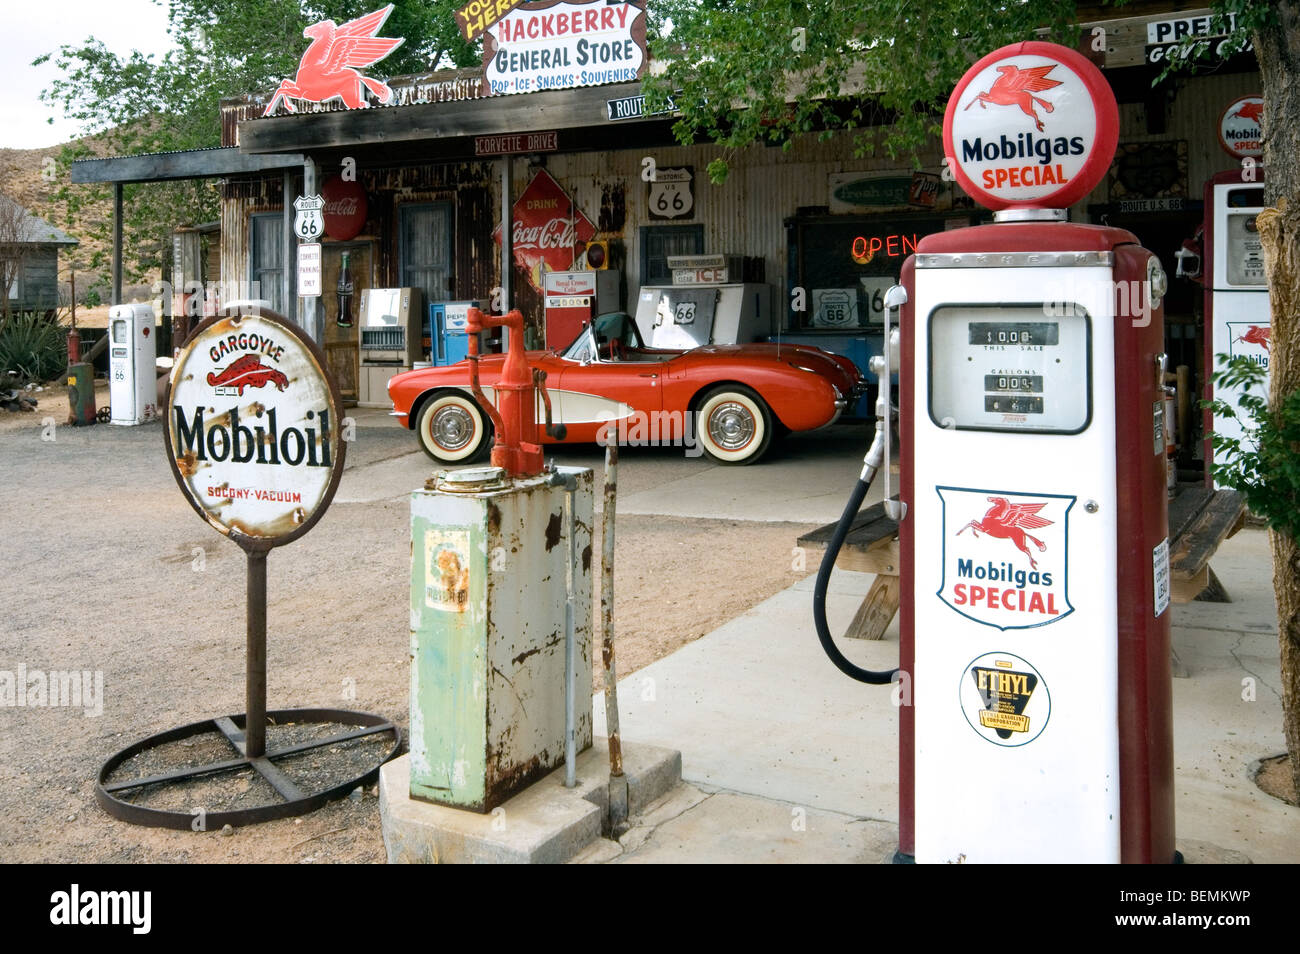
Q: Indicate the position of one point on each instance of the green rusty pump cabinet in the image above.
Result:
(490, 571)
(81, 394)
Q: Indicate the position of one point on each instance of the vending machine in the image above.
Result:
(1034, 680)
(447, 331)
(708, 303)
(574, 298)
(390, 334)
(132, 364)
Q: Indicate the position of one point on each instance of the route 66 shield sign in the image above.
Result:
(308, 217)
(671, 194)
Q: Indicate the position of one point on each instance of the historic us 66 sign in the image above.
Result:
(1032, 125)
(253, 428)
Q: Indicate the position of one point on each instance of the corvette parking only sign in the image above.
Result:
(1005, 556)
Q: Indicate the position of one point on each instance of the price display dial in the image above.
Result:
(1011, 368)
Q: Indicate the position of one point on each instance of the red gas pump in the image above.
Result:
(1034, 624)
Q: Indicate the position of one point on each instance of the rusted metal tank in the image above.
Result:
(491, 574)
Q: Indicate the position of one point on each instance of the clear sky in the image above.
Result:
(29, 28)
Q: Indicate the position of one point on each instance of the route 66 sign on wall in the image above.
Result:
(308, 217)
(671, 194)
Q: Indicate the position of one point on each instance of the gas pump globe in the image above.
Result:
(1034, 624)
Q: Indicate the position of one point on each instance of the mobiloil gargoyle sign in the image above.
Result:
(253, 428)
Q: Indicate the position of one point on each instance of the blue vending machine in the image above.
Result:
(447, 320)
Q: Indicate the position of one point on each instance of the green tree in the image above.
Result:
(772, 70)
(133, 103)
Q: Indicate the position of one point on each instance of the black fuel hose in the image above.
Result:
(871, 676)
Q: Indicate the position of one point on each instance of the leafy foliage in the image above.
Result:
(34, 346)
(771, 70)
(140, 104)
(1264, 465)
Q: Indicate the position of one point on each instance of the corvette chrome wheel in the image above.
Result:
(734, 426)
(452, 429)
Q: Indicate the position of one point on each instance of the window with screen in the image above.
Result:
(660, 241)
(424, 249)
(266, 252)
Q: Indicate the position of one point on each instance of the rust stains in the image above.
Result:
(613, 207)
(187, 464)
(493, 517)
(553, 532)
(586, 559)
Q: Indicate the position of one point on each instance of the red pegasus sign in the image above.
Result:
(247, 372)
(1015, 87)
(1252, 111)
(1256, 335)
(330, 67)
(1009, 521)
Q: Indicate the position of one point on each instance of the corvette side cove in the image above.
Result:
(607, 384)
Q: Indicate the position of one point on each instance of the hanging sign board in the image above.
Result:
(253, 428)
(309, 270)
(563, 44)
(1032, 125)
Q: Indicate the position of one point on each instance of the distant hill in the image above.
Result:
(22, 171)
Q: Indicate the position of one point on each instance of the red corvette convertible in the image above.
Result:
(727, 400)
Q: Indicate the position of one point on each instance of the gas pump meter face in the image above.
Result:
(1011, 368)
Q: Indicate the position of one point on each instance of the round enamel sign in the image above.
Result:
(253, 428)
(1032, 125)
(1241, 128)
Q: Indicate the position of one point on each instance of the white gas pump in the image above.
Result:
(132, 364)
(1034, 632)
(1237, 316)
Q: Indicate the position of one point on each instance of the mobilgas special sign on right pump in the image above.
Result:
(1032, 516)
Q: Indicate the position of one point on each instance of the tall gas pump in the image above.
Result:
(1034, 624)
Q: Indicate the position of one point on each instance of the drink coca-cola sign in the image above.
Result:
(253, 428)
(547, 229)
(345, 208)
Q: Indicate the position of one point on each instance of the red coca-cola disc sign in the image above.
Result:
(345, 208)
(1032, 125)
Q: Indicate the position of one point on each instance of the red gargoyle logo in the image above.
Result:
(1256, 335)
(1015, 87)
(330, 66)
(248, 372)
(1009, 522)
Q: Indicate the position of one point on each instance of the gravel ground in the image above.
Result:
(109, 570)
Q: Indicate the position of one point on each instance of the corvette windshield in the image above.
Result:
(594, 339)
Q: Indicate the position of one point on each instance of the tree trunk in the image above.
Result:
(1278, 50)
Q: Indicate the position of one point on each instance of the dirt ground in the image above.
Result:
(111, 571)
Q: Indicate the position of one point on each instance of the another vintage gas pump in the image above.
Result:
(132, 356)
(500, 604)
(1034, 624)
(1230, 267)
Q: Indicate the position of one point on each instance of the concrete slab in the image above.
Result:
(545, 824)
(757, 710)
(693, 826)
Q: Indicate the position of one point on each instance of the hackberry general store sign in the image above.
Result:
(253, 428)
(563, 44)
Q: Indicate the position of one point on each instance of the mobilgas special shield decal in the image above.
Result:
(1005, 556)
(1005, 699)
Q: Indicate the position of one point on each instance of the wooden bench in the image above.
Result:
(1199, 520)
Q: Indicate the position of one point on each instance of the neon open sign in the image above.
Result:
(864, 249)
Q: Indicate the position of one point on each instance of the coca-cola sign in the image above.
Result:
(345, 208)
(547, 229)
